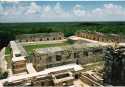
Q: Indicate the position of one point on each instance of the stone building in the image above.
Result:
(18, 60)
(114, 66)
(3, 63)
(74, 39)
(57, 76)
(18, 65)
(56, 56)
(40, 37)
(100, 36)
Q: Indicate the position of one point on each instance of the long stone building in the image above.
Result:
(3, 63)
(57, 56)
(56, 76)
(18, 60)
(40, 37)
(101, 36)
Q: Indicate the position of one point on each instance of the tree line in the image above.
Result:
(8, 31)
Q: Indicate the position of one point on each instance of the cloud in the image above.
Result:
(77, 11)
(36, 12)
(56, 11)
(33, 8)
(59, 11)
(47, 11)
(97, 12)
(109, 10)
(1, 8)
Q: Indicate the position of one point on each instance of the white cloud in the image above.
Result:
(9, 11)
(77, 11)
(47, 11)
(97, 12)
(34, 11)
(33, 8)
(109, 10)
(56, 11)
(59, 11)
(57, 8)
(1, 8)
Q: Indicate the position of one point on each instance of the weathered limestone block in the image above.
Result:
(114, 66)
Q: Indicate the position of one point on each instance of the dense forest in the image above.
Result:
(8, 31)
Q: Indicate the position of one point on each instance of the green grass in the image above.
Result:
(7, 51)
(8, 56)
(30, 48)
(8, 59)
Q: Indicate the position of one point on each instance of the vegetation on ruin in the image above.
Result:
(8, 59)
(8, 50)
(8, 56)
(30, 48)
(3, 75)
(94, 65)
(8, 31)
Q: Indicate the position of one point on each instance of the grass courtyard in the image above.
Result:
(30, 48)
(8, 50)
(8, 56)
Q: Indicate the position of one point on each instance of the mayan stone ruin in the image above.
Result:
(114, 66)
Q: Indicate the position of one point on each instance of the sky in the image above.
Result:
(61, 11)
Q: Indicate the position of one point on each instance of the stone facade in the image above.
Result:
(63, 79)
(40, 37)
(58, 76)
(3, 63)
(32, 81)
(18, 60)
(100, 36)
(114, 66)
(18, 65)
(56, 56)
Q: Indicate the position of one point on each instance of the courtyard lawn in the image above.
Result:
(8, 56)
(8, 59)
(29, 48)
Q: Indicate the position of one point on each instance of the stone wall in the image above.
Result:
(100, 36)
(43, 79)
(78, 55)
(114, 66)
(3, 63)
(40, 37)
(19, 66)
(33, 81)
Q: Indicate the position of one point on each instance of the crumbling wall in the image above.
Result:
(114, 66)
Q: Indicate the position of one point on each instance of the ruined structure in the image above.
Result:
(100, 36)
(18, 65)
(57, 56)
(18, 60)
(40, 37)
(114, 66)
(53, 66)
(57, 76)
(3, 66)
